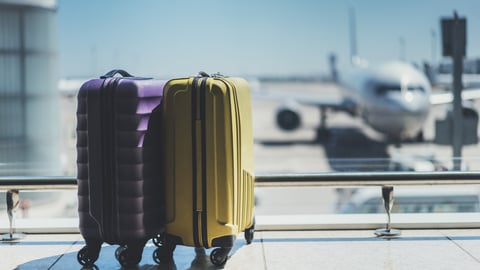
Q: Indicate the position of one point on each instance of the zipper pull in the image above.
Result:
(218, 75)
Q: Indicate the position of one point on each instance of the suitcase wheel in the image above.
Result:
(219, 256)
(158, 240)
(128, 257)
(119, 250)
(249, 233)
(87, 256)
(163, 254)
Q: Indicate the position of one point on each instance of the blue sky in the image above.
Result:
(249, 37)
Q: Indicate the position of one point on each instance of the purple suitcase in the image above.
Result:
(118, 173)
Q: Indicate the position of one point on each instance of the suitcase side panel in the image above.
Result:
(139, 199)
(246, 170)
(87, 225)
(221, 163)
(232, 199)
(178, 152)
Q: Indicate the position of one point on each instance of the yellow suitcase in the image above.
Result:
(208, 159)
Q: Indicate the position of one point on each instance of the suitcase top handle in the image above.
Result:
(215, 75)
(115, 72)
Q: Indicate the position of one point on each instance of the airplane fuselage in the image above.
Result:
(393, 98)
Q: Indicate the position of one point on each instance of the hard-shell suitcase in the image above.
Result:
(119, 186)
(208, 159)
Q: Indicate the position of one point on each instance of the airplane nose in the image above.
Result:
(410, 103)
(400, 115)
(408, 97)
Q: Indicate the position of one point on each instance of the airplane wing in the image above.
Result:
(332, 102)
(447, 97)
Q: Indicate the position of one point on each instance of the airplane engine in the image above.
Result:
(288, 117)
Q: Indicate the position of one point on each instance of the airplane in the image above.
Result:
(394, 98)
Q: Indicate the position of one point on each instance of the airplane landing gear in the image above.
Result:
(322, 132)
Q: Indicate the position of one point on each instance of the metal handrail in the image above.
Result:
(385, 179)
(38, 182)
(286, 179)
(369, 178)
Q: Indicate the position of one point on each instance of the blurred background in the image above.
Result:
(289, 51)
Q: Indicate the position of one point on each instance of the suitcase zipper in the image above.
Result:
(109, 230)
(203, 92)
(195, 118)
(200, 236)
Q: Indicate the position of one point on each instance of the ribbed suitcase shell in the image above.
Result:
(119, 188)
(208, 161)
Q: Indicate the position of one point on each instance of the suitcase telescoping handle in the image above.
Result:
(115, 72)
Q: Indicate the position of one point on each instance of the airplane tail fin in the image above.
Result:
(355, 59)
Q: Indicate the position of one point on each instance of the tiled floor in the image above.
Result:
(352, 249)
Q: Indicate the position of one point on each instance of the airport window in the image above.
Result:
(48, 51)
(356, 124)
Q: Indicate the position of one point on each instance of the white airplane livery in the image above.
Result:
(394, 98)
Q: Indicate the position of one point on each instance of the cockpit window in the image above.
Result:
(412, 88)
(383, 89)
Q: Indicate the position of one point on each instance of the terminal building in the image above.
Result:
(29, 114)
